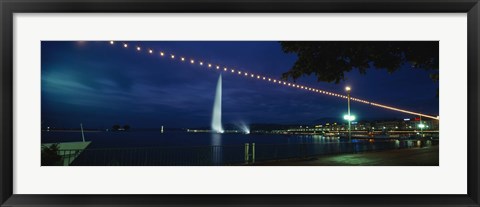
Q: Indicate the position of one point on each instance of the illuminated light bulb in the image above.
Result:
(288, 84)
(233, 71)
(293, 85)
(111, 42)
(258, 77)
(274, 80)
(192, 61)
(263, 78)
(246, 74)
(225, 69)
(301, 87)
(125, 45)
(138, 48)
(218, 67)
(239, 72)
(209, 65)
(252, 75)
(162, 54)
(150, 51)
(183, 59)
(269, 79)
(284, 83)
(173, 56)
(201, 63)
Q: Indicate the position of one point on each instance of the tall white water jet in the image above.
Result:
(217, 108)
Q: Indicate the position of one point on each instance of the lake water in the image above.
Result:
(153, 148)
(177, 138)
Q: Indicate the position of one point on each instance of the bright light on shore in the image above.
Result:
(349, 118)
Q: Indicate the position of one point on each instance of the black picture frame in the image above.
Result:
(10, 7)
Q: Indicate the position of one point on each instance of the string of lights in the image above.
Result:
(250, 75)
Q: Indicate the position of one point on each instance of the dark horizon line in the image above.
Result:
(251, 124)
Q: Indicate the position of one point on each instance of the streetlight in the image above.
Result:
(349, 118)
(348, 89)
(421, 126)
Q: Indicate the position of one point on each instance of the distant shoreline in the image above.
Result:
(66, 130)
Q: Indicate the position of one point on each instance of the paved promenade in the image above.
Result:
(428, 156)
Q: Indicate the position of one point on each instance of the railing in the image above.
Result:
(248, 153)
(162, 156)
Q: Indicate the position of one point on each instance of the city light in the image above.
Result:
(349, 118)
(421, 126)
(285, 83)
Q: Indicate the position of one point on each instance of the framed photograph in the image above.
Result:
(237, 103)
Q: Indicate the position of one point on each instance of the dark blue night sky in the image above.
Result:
(99, 85)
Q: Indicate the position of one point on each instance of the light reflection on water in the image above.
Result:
(217, 151)
(216, 139)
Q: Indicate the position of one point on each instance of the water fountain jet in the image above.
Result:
(217, 109)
